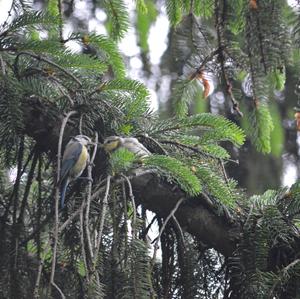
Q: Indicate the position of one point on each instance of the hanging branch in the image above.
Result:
(60, 15)
(40, 269)
(101, 225)
(253, 81)
(38, 236)
(219, 24)
(23, 205)
(131, 196)
(28, 185)
(63, 125)
(260, 39)
(2, 66)
(179, 202)
(88, 200)
(179, 229)
(17, 182)
(14, 199)
(83, 244)
(39, 206)
(15, 192)
(125, 222)
(80, 124)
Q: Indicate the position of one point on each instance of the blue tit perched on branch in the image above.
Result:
(113, 143)
(74, 161)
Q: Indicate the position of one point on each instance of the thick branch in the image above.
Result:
(193, 215)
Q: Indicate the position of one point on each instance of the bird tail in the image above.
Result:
(63, 189)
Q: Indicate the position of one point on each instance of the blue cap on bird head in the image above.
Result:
(111, 143)
(82, 139)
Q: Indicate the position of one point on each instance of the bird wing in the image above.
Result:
(136, 147)
(70, 157)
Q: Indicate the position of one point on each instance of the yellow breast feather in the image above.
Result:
(80, 164)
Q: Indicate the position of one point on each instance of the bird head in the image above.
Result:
(84, 140)
(111, 143)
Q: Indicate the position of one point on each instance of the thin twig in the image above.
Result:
(146, 230)
(261, 41)
(60, 13)
(101, 188)
(59, 290)
(194, 149)
(131, 196)
(65, 94)
(28, 185)
(179, 229)
(62, 129)
(5, 23)
(40, 268)
(173, 211)
(207, 199)
(223, 171)
(19, 175)
(38, 222)
(219, 24)
(88, 200)
(15, 231)
(70, 219)
(208, 58)
(2, 66)
(101, 225)
(125, 223)
(82, 244)
(80, 124)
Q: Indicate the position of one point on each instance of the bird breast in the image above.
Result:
(79, 166)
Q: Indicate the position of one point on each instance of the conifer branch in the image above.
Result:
(219, 24)
(40, 58)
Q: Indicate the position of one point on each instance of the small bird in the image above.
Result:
(113, 143)
(74, 161)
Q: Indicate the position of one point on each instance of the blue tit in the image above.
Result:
(113, 143)
(74, 161)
